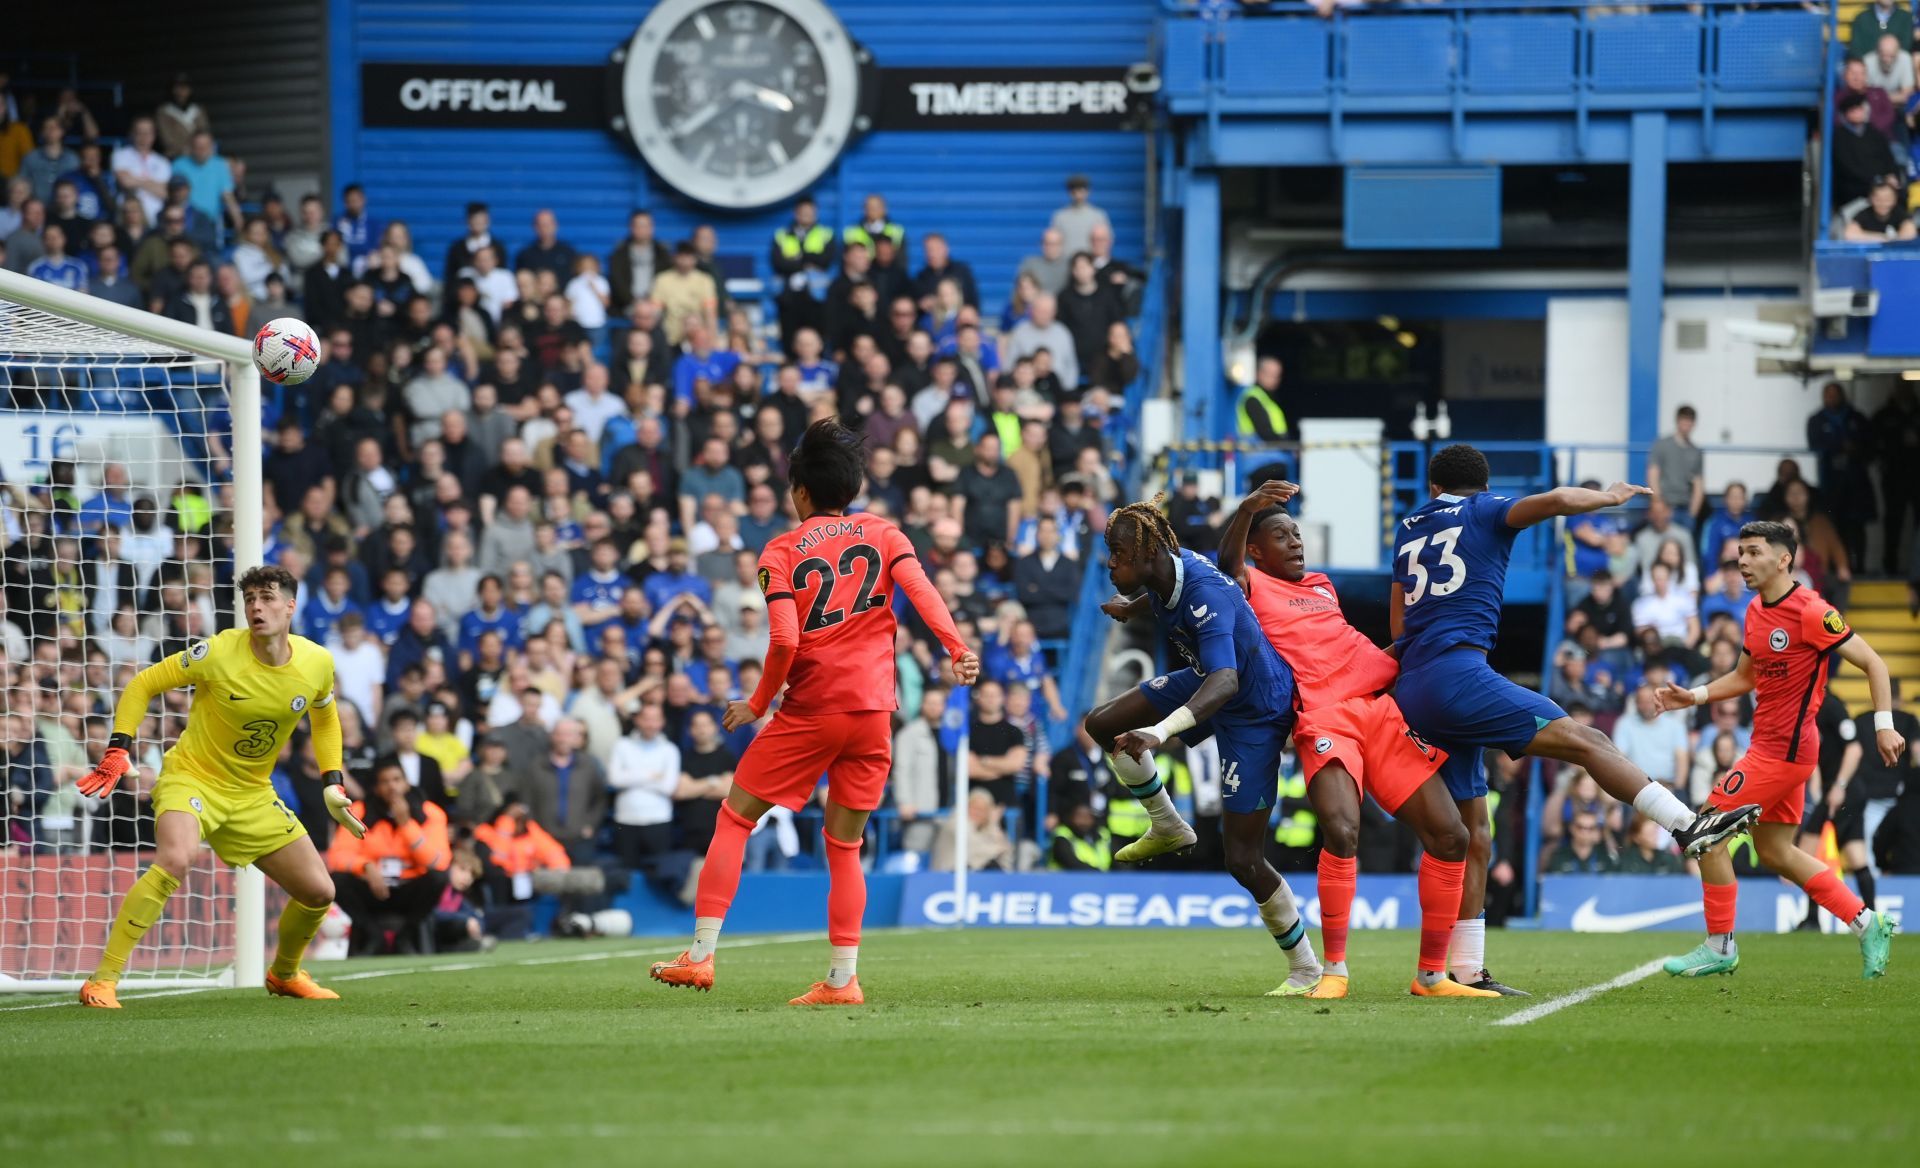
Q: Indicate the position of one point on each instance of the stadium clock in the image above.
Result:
(740, 103)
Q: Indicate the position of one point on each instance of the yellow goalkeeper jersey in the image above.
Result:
(243, 709)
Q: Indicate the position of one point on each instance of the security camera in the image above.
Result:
(1143, 78)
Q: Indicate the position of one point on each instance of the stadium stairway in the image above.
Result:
(1878, 612)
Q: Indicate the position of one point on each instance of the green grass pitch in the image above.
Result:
(984, 1048)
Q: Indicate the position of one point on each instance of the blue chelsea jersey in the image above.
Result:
(1450, 560)
(1211, 624)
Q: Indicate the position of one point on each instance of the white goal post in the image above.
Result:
(86, 384)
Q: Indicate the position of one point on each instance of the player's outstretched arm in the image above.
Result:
(1856, 652)
(1216, 691)
(328, 752)
(1569, 501)
(1727, 685)
(925, 598)
(169, 672)
(1233, 543)
(783, 639)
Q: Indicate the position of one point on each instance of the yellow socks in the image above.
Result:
(298, 924)
(144, 903)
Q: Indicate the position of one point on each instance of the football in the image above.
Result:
(286, 351)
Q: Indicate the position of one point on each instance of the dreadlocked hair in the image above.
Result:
(1150, 526)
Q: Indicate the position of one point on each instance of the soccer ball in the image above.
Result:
(285, 351)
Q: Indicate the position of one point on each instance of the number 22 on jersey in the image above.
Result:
(818, 578)
(1436, 569)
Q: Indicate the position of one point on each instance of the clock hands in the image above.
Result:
(736, 93)
(761, 95)
(699, 118)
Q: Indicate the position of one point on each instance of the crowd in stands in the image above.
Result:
(526, 491)
(1875, 104)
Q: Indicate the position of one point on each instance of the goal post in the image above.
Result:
(95, 392)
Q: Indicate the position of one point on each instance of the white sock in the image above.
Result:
(1279, 910)
(1282, 917)
(1467, 953)
(1337, 968)
(840, 967)
(1861, 922)
(1661, 805)
(1136, 773)
(1721, 943)
(706, 935)
(1428, 978)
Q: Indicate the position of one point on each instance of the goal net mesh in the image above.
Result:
(116, 523)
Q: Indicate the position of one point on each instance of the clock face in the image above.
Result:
(740, 103)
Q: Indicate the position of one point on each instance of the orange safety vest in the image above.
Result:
(421, 846)
(516, 851)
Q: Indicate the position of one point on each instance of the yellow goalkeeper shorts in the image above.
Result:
(240, 826)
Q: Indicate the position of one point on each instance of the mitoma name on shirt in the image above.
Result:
(491, 95)
(826, 531)
(974, 99)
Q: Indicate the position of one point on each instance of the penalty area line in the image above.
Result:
(1555, 1005)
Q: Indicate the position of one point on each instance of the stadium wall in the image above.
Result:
(1585, 904)
(991, 192)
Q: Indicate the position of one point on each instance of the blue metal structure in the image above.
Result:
(1475, 85)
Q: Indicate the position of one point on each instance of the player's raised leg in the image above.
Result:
(298, 869)
(176, 842)
(1585, 746)
(1132, 711)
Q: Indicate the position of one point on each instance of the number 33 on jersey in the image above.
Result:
(838, 572)
(1450, 560)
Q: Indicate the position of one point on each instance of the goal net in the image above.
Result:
(122, 517)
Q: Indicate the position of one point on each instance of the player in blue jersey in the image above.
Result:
(1449, 581)
(1235, 689)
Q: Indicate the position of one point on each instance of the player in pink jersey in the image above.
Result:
(829, 589)
(1351, 738)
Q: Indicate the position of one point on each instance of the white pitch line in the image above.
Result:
(1555, 1005)
(463, 966)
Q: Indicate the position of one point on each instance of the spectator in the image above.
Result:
(1666, 609)
(1676, 469)
(1896, 428)
(940, 266)
(548, 252)
(643, 774)
(874, 225)
(1584, 851)
(589, 295)
(713, 474)
(1824, 554)
(1123, 278)
(1862, 155)
(44, 166)
(1843, 440)
(988, 848)
(687, 295)
(802, 254)
(430, 395)
(1047, 582)
(256, 258)
(23, 247)
(179, 118)
(210, 180)
(18, 191)
(1881, 18)
(1658, 530)
(1258, 413)
(56, 266)
(397, 870)
(1890, 70)
(111, 283)
(567, 791)
(997, 751)
(921, 771)
(1884, 217)
(463, 253)
(1047, 270)
(592, 405)
(357, 228)
(1730, 600)
(450, 590)
(493, 282)
(1076, 221)
(96, 192)
(1880, 110)
(1080, 844)
(198, 304)
(16, 140)
(1649, 851)
(1656, 743)
(65, 214)
(1042, 331)
(1116, 366)
(1088, 308)
(1725, 523)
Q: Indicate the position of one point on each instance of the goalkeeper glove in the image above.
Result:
(339, 805)
(100, 781)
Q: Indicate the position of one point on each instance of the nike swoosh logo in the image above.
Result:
(1589, 919)
(237, 697)
(1200, 613)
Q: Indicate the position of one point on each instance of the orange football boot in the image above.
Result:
(1331, 985)
(823, 994)
(101, 995)
(1447, 988)
(684, 971)
(300, 985)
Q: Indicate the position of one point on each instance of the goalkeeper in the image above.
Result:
(250, 689)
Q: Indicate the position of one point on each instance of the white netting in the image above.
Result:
(117, 535)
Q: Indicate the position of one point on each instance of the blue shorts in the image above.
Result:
(1250, 742)
(1457, 702)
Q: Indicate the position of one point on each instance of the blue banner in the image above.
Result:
(1632, 904)
(1176, 900)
